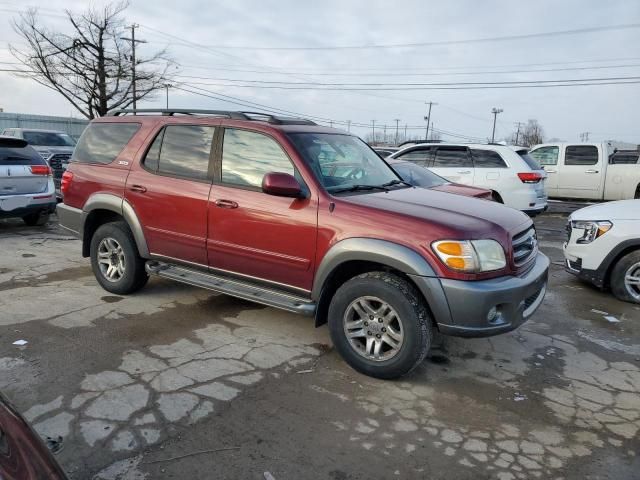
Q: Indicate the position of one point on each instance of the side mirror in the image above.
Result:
(281, 185)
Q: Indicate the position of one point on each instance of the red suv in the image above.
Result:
(293, 215)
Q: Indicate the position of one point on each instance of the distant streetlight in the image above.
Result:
(495, 112)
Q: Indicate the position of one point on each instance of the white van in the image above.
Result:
(589, 171)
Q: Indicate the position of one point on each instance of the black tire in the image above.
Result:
(496, 197)
(36, 219)
(617, 279)
(410, 307)
(637, 195)
(134, 276)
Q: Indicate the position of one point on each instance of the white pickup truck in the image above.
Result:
(589, 171)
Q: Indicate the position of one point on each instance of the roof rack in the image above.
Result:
(183, 111)
(268, 117)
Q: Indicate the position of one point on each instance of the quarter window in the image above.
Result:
(624, 159)
(248, 156)
(487, 159)
(581, 155)
(103, 142)
(545, 155)
(184, 151)
(452, 157)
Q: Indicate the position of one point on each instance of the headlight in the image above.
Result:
(592, 230)
(472, 256)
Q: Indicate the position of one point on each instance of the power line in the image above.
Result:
(558, 33)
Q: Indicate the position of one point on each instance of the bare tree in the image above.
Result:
(92, 66)
(531, 134)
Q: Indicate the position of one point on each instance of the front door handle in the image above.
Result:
(226, 204)
(591, 171)
(138, 188)
(464, 171)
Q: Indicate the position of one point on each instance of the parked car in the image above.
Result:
(305, 218)
(423, 177)
(603, 247)
(588, 171)
(513, 177)
(384, 152)
(26, 183)
(54, 146)
(23, 455)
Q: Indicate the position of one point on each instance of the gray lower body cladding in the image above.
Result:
(462, 308)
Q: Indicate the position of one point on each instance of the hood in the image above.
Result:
(470, 217)
(463, 190)
(620, 210)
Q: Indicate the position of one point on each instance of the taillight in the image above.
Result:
(65, 182)
(40, 169)
(530, 177)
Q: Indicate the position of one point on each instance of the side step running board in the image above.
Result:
(233, 287)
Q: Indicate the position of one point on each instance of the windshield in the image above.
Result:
(418, 176)
(344, 162)
(48, 139)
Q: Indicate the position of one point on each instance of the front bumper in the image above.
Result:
(461, 308)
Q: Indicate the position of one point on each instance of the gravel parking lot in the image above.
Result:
(178, 382)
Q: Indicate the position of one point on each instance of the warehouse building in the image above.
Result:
(69, 125)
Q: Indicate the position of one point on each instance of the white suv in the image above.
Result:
(603, 247)
(516, 179)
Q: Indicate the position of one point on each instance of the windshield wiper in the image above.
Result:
(396, 182)
(358, 187)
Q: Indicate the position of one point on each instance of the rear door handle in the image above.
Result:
(550, 171)
(464, 171)
(138, 188)
(591, 171)
(226, 204)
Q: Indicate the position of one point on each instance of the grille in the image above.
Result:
(525, 246)
(56, 161)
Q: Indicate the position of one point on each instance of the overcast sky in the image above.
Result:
(207, 27)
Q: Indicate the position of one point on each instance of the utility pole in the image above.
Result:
(133, 59)
(428, 118)
(584, 136)
(397, 125)
(384, 135)
(331, 123)
(373, 128)
(405, 132)
(167, 86)
(495, 112)
(518, 125)
(348, 125)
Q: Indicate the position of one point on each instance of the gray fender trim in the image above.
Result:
(106, 201)
(388, 253)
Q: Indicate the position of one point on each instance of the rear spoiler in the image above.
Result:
(11, 142)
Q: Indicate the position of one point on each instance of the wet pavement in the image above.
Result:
(177, 382)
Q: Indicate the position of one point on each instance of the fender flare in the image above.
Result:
(396, 256)
(116, 204)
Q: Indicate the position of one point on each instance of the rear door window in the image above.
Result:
(183, 151)
(452, 157)
(545, 155)
(581, 155)
(103, 142)
(487, 159)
